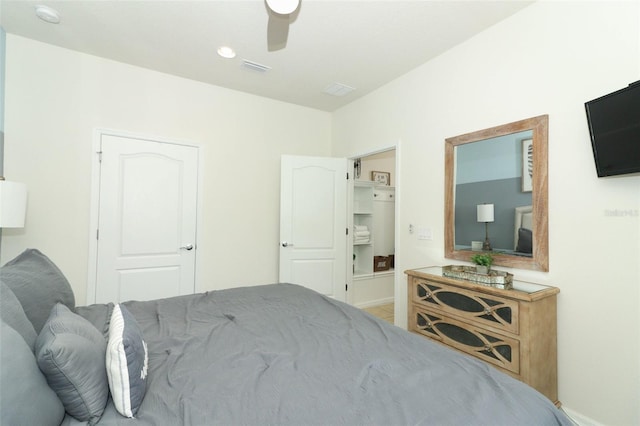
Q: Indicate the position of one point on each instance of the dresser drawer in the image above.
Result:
(491, 347)
(497, 313)
(512, 330)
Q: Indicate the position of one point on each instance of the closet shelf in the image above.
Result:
(366, 274)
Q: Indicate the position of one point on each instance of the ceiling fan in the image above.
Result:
(281, 14)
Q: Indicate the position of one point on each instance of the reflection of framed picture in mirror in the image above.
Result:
(527, 165)
(382, 178)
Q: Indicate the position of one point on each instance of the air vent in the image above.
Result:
(254, 66)
(338, 89)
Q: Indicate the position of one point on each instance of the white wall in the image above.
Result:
(56, 97)
(548, 59)
(3, 40)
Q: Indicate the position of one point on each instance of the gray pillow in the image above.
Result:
(26, 398)
(13, 315)
(71, 354)
(127, 362)
(38, 284)
(525, 241)
(99, 315)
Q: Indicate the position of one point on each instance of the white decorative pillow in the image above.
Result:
(127, 360)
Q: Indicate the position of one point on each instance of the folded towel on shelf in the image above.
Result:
(363, 234)
(361, 239)
(360, 228)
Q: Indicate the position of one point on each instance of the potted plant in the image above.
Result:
(484, 262)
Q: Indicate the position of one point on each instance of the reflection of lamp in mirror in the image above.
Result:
(13, 204)
(485, 214)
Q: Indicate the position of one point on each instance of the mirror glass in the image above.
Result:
(496, 194)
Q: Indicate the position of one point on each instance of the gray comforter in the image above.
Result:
(284, 355)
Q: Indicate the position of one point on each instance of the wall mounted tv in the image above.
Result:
(614, 125)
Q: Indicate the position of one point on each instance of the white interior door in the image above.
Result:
(146, 245)
(313, 224)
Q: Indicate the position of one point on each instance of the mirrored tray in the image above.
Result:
(499, 279)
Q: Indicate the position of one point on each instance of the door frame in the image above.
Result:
(92, 277)
(399, 291)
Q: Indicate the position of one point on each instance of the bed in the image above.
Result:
(277, 354)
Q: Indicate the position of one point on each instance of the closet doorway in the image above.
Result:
(374, 232)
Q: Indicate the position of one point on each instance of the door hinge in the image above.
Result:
(347, 175)
(99, 156)
(97, 234)
(346, 287)
(347, 230)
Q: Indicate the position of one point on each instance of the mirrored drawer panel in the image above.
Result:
(484, 344)
(489, 310)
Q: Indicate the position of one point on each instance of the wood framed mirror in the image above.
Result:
(505, 166)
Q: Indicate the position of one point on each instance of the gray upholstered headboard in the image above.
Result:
(524, 219)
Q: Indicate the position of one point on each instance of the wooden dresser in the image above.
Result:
(513, 330)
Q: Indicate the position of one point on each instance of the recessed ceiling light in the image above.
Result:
(48, 14)
(226, 52)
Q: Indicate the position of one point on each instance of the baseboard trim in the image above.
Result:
(579, 419)
(372, 303)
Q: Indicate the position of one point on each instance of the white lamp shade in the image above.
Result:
(485, 212)
(13, 204)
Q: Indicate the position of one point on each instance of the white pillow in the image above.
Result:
(127, 360)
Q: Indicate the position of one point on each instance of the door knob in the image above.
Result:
(187, 247)
(286, 244)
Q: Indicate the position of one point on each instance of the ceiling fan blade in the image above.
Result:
(277, 32)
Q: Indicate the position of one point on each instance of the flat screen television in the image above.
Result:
(614, 125)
